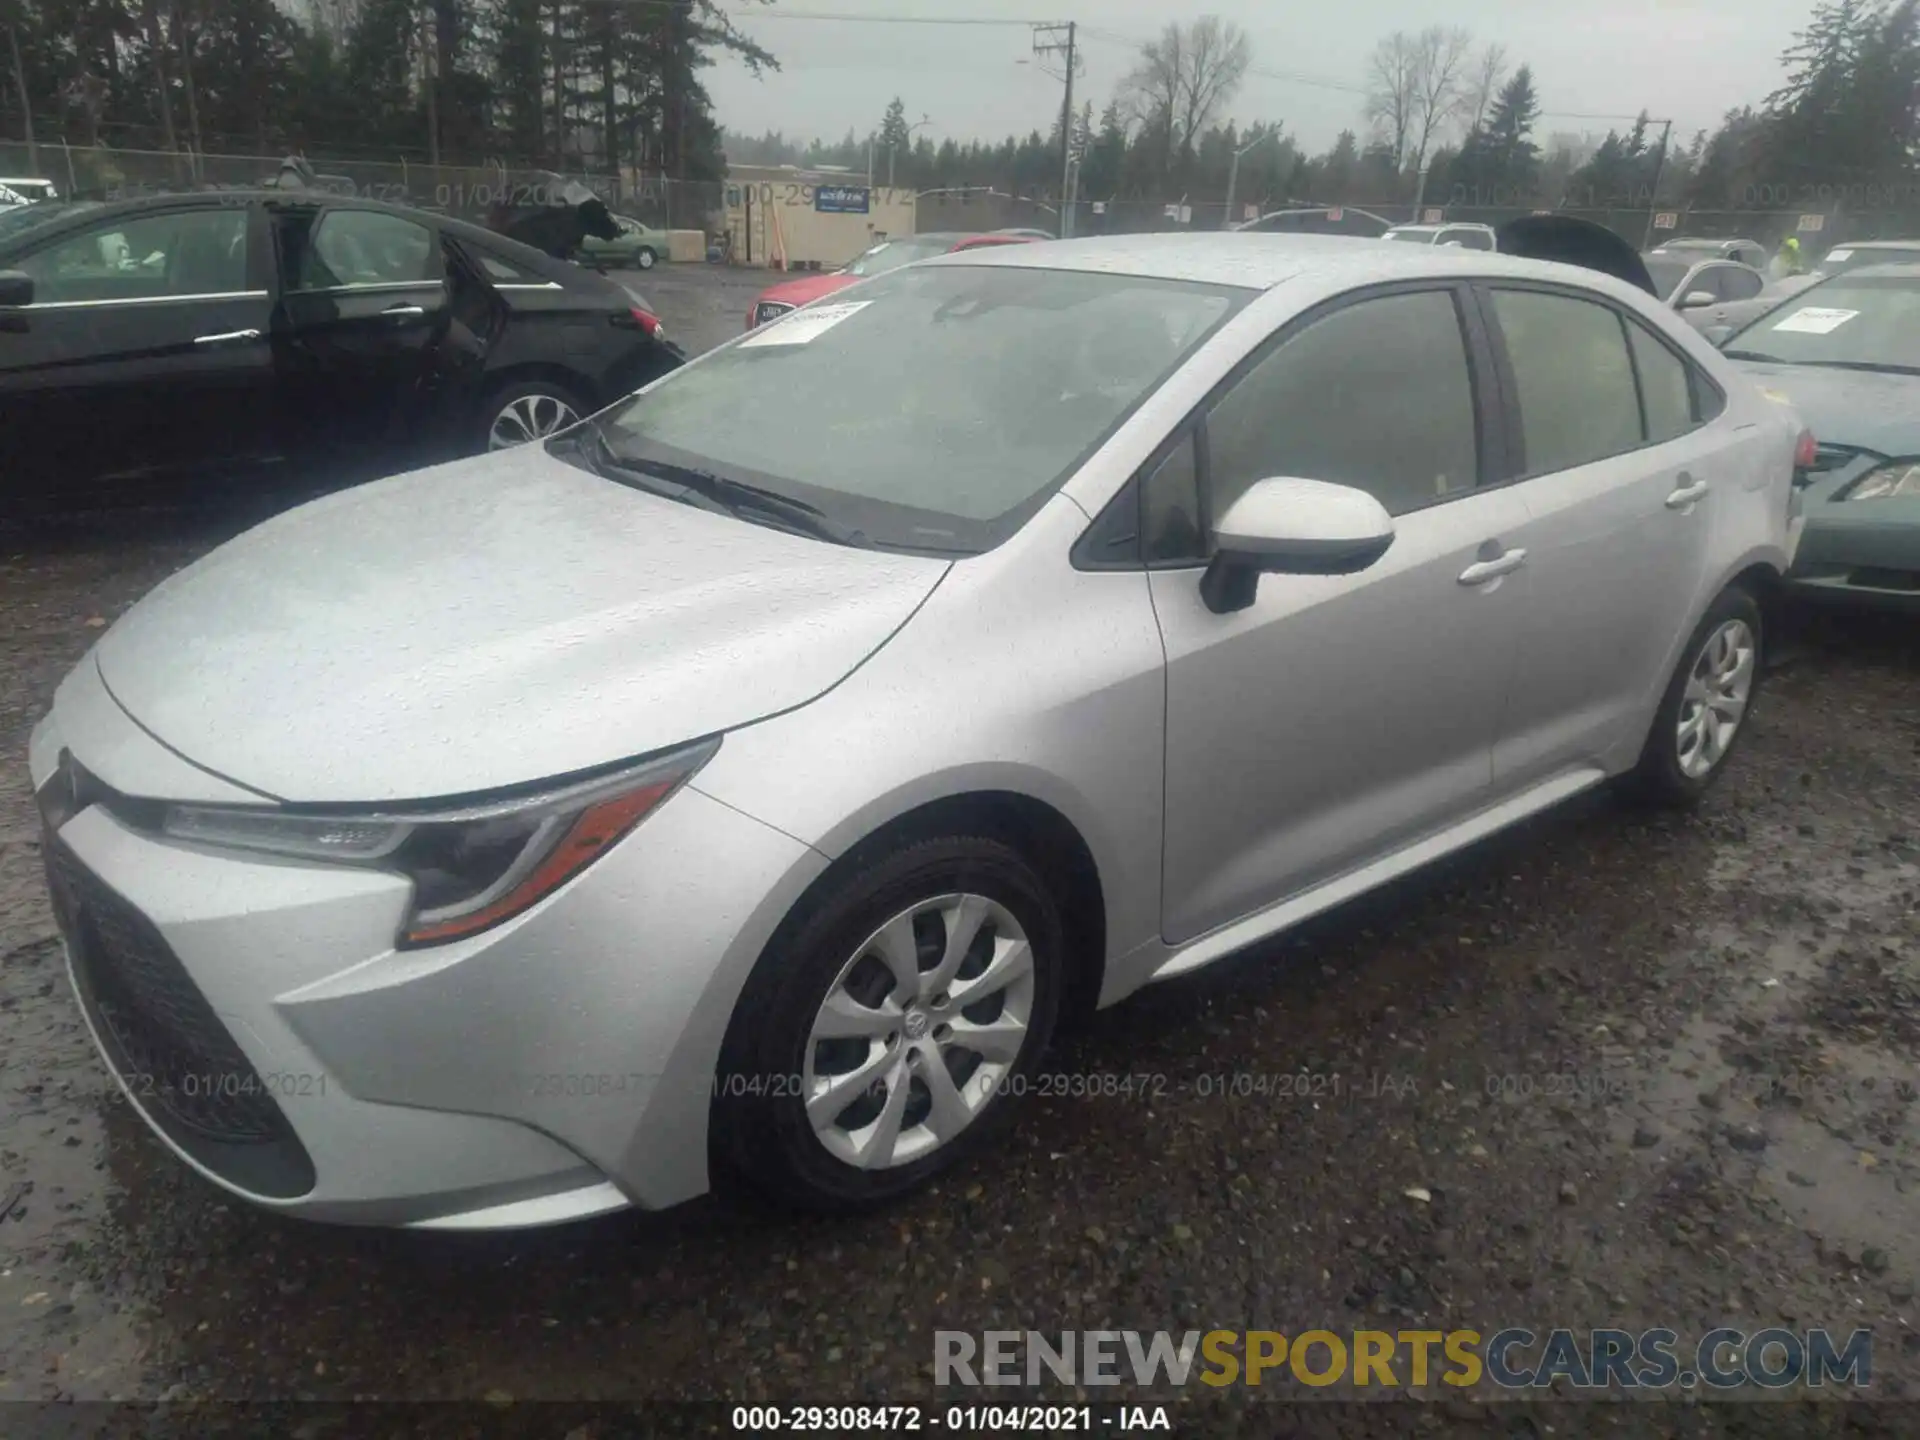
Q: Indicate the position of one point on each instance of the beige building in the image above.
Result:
(809, 219)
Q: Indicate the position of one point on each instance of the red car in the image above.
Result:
(777, 300)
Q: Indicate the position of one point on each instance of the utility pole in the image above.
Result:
(1659, 168)
(1233, 176)
(1047, 41)
(26, 104)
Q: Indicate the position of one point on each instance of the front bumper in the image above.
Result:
(258, 1018)
(1860, 552)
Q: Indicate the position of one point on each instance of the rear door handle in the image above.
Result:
(404, 312)
(1481, 571)
(229, 337)
(1690, 491)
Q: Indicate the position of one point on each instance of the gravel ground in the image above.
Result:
(1648, 1071)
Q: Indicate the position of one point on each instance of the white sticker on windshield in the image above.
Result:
(804, 325)
(1813, 320)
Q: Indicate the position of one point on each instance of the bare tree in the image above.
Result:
(1392, 79)
(1488, 74)
(1183, 78)
(1439, 75)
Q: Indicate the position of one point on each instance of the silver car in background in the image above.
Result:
(746, 782)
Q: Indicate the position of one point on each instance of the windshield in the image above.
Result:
(1859, 323)
(938, 409)
(1666, 274)
(1418, 237)
(892, 254)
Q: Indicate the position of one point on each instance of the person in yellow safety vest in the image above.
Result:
(1791, 261)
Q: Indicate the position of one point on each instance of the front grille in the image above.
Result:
(162, 1037)
(769, 310)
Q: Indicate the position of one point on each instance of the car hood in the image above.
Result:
(1860, 409)
(810, 287)
(490, 623)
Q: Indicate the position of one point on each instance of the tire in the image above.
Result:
(538, 402)
(773, 1060)
(1722, 655)
(644, 258)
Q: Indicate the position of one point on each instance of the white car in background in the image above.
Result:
(1466, 236)
(18, 191)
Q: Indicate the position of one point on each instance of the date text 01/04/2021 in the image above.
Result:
(960, 1419)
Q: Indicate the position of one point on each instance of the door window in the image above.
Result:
(145, 257)
(1376, 395)
(1666, 389)
(1738, 284)
(365, 247)
(1570, 363)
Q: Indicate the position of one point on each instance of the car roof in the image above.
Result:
(1843, 245)
(1257, 260)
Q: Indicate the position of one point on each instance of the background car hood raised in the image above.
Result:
(1861, 409)
(488, 623)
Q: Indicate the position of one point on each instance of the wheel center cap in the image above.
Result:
(916, 1024)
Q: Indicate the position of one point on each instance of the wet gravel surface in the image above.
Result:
(1644, 1070)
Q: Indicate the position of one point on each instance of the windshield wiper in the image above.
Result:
(1886, 366)
(591, 446)
(1756, 355)
(737, 495)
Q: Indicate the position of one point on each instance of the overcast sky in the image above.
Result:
(1690, 60)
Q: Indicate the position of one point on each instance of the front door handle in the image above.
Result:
(1690, 492)
(404, 312)
(229, 337)
(1482, 571)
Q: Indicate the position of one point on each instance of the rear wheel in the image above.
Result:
(526, 410)
(644, 258)
(882, 1040)
(1704, 711)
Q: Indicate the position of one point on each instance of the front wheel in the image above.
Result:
(644, 259)
(1705, 709)
(882, 1040)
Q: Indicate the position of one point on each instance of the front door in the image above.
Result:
(362, 315)
(1619, 471)
(1338, 716)
(143, 361)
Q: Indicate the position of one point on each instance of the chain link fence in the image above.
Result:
(103, 173)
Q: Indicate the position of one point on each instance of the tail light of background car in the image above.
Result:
(638, 319)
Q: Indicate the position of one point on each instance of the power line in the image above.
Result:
(852, 19)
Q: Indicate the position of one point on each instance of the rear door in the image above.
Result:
(363, 313)
(142, 361)
(1618, 467)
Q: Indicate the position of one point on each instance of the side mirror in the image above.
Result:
(16, 288)
(1292, 527)
(1694, 299)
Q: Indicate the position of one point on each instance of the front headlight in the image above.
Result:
(471, 867)
(1902, 477)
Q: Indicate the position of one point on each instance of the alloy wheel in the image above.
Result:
(644, 259)
(918, 1030)
(529, 417)
(1715, 700)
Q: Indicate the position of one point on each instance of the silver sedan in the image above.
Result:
(746, 782)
